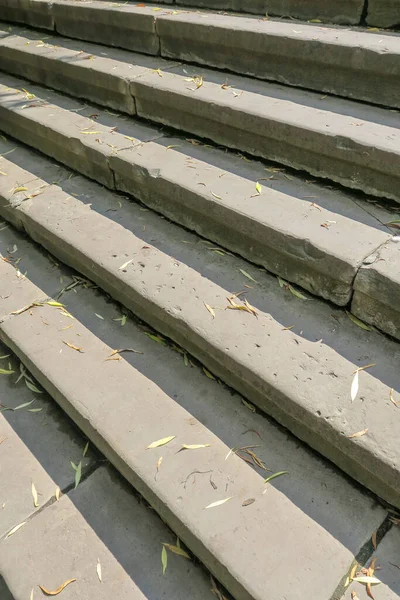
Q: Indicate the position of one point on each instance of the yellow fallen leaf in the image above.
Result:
(161, 442)
(354, 387)
(22, 188)
(98, 569)
(90, 132)
(122, 267)
(395, 402)
(57, 493)
(358, 434)
(210, 310)
(73, 347)
(248, 405)
(58, 590)
(258, 188)
(15, 529)
(34, 496)
(194, 446)
(219, 502)
(176, 550)
(216, 196)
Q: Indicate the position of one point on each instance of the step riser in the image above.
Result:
(327, 151)
(345, 63)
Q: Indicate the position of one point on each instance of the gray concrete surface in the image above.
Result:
(376, 296)
(327, 137)
(98, 247)
(387, 559)
(125, 444)
(347, 12)
(204, 189)
(308, 56)
(126, 26)
(383, 13)
(36, 13)
(305, 55)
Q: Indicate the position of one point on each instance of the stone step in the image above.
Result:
(353, 144)
(38, 13)
(101, 520)
(305, 55)
(180, 286)
(124, 405)
(322, 246)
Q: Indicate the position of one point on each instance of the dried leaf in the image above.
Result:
(258, 188)
(358, 434)
(243, 272)
(58, 590)
(90, 132)
(296, 292)
(78, 474)
(208, 374)
(357, 321)
(354, 387)
(219, 502)
(353, 571)
(164, 559)
(248, 405)
(367, 579)
(216, 196)
(354, 595)
(278, 474)
(32, 387)
(34, 496)
(57, 493)
(15, 529)
(54, 303)
(98, 569)
(176, 550)
(31, 594)
(122, 267)
(21, 188)
(248, 502)
(73, 347)
(373, 540)
(210, 310)
(86, 448)
(395, 402)
(125, 350)
(194, 446)
(161, 442)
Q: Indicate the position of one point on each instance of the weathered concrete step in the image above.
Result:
(387, 559)
(321, 246)
(121, 405)
(383, 13)
(339, 61)
(325, 136)
(38, 12)
(281, 371)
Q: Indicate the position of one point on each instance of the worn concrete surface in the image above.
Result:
(305, 55)
(328, 137)
(387, 558)
(148, 285)
(36, 13)
(204, 189)
(124, 433)
(126, 26)
(383, 13)
(309, 56)
(376, 297)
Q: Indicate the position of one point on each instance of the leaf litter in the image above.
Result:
(161, 442)
(34, 495)
(218, 503)
(58, 590)
(358, 434)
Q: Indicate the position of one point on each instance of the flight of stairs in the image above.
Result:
(232, 181)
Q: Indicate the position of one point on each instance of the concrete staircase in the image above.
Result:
(232, 182)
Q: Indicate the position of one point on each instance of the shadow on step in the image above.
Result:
(313, 484)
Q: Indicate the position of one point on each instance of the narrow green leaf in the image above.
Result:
(73, 465)
(297, 293)
(357, 321)
(243, 272)
(78, 474)
(164, 559)
(6, 372)
(85, 450)
(32, 387)
(24, 405)
(278, 474)
(123, 320)
(35, 409)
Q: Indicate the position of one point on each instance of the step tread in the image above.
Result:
(234, 345)
(114, 431)
(327, 137)
(223, 205)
